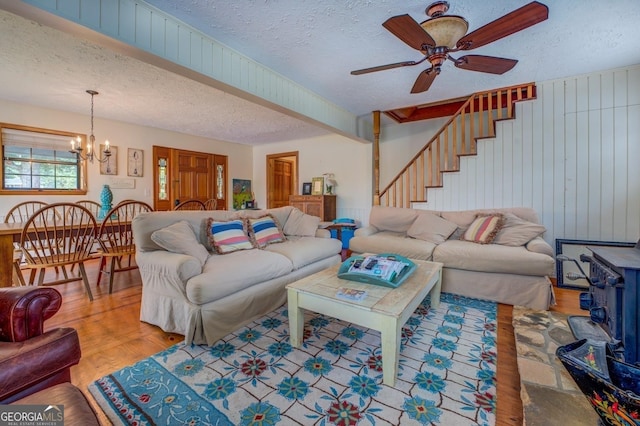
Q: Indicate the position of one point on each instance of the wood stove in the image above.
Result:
(613, 300)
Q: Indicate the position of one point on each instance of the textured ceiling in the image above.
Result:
(315, 44)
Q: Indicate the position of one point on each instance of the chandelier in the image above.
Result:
(76, 145)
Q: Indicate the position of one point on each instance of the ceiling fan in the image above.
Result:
(443, 34)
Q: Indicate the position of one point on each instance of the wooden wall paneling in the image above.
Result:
(557, 153)
(619, 173)
(143, 26)
(607, 166)
(633, 177)
(582, 176)
(526, 112)
(158, 35)
(509, 143)
(570, 171)
(516, 162)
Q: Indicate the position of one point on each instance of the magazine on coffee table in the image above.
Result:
(386, 269)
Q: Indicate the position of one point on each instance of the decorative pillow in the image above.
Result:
(301, 224)
(483, 229)
(432, 228)
(180, 238)
(517, 232)
(227, 237)
(265, 230)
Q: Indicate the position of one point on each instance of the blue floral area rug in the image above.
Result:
(447, 370)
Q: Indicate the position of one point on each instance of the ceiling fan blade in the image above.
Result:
(482, 63)
(510, 23)
(408, 30)
(388, 67)
(424, 80)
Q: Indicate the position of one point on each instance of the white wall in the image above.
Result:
(123, 136)
(349, 160)
(400, 142)
(572, 154)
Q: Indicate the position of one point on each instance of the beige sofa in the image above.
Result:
(514, 269)
(194, 291)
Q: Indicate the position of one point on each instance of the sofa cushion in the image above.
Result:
(539, 245)
(180, 238)
(301, 224)
(264, 231)
(303, 251)
(393, 219)
(228, 274)
(230, 236)
(392, 242)
(483, 229)
(461, 218)
(493, 258)
(517, 232)
(432, 228)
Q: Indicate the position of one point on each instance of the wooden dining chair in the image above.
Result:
(190, 205)
(59, 235)
(211, 204)
(90, 205)
(116, 239)
(20, 213)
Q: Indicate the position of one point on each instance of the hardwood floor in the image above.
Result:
(112, 336)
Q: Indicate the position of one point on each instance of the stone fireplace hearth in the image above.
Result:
(549, 394)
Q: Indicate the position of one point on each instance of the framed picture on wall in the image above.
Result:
(135, 160)
(110, 166)
(306, 188)
(317, 186)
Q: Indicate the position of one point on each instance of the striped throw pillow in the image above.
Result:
(483, 229)
(227, 237)
(265, 230)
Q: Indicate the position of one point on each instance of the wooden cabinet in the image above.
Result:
(323, 206)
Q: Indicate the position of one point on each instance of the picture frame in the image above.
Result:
(317, 186)
(306, 188)
(241, 193)
(110, 165)
(135, 162)
(573, 249)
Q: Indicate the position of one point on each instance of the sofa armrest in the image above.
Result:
(37, 363)
(539, 245)
(323, 233)
(167, 263)
(366, 231)
(23, 311)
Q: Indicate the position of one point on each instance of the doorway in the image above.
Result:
(282, 178)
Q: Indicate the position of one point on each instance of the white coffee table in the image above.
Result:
(384, 309)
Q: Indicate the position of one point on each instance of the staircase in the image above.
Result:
(474, 120)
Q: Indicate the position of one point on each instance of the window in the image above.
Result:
(39, 160)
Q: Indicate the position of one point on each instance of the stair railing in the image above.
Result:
(474, 120)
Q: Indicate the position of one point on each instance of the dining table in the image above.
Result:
(12, 232)
(9, 233)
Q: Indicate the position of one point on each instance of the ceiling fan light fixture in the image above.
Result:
(446, 30)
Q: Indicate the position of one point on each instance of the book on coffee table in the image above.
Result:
(351, 294)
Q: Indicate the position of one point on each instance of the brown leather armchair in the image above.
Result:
(35, 366)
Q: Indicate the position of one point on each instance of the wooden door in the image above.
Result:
(181, 175)
(282, 175)
(191, 176)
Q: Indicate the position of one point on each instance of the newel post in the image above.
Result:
(376, 158)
